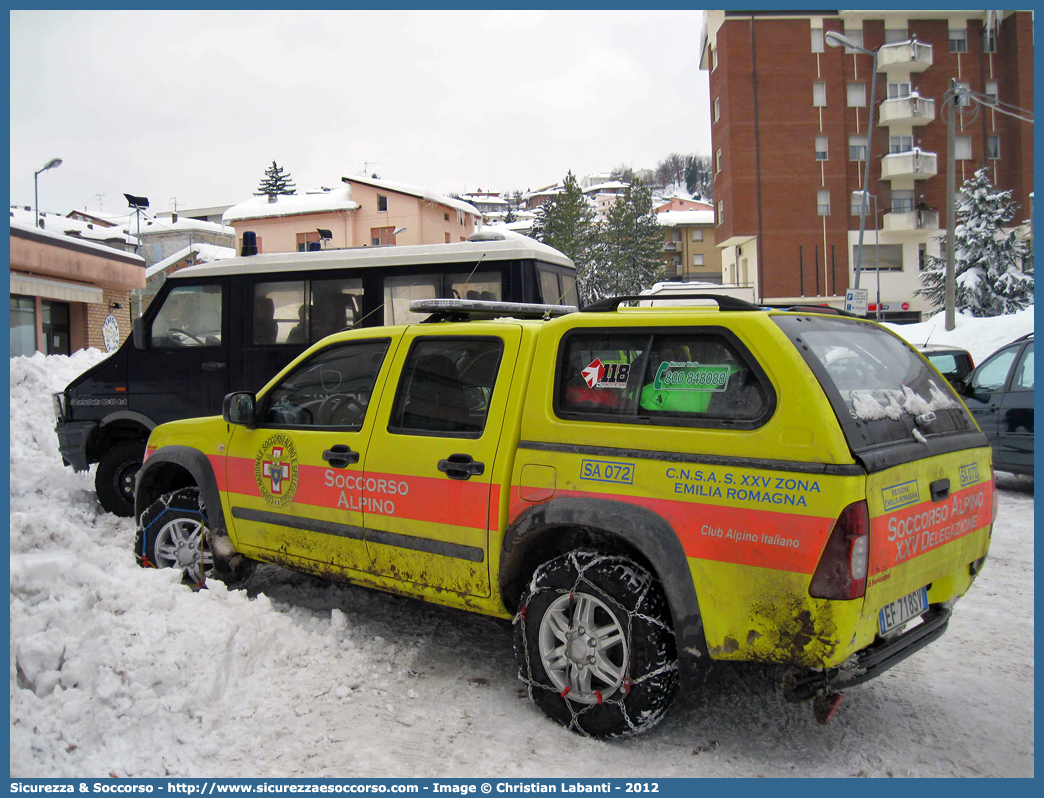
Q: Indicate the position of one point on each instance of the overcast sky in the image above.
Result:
(196, 104)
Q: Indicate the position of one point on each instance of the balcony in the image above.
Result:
(908, 56)
(911, 223)
(915, 163)
(913, 110)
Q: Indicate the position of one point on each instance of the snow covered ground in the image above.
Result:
(122, 671)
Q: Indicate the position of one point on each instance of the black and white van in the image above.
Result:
(230, 325)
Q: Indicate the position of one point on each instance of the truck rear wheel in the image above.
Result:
(114, 481)
(595, 644)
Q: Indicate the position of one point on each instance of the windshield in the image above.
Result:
(882, 391)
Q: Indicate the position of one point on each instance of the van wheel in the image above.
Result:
(595, 644)
(114, 481)
(172, 533)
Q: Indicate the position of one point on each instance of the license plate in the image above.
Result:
(902, 610)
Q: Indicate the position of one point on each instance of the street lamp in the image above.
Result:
(835, 39)
(54, 163)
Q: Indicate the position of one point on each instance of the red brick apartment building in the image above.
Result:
(789, 119)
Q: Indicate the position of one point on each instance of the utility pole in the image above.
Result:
(951, 206)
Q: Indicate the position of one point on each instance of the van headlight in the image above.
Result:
(58, 403)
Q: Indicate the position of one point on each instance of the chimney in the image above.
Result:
(174, 217)
(271, 197)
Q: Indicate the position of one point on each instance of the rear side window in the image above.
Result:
(693, 378)
(446, 387)
(876, 383)
(304, 311)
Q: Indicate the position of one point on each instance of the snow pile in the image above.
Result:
(980, 336)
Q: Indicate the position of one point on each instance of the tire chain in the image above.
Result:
(628, 684)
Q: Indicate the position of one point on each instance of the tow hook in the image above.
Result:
(824, 706)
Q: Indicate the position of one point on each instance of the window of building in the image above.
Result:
(382, 236)
(922, 257)
(721, 211)
(963, 96)
(991, 90)
(714, 58)
(858, 205)
(856, 95)
(896, 90)
(697, 260)
(821, 148)
(717, 108)
(445, 217)
(823, 202)
(857, 148)
(958, 41)
(23, 325)
(304, 239)
(890, 255)
(895, 35)
(447, 238)
(902, 201)
(817, 40)
(818, 94)
(962, 150)
(717, 161)
(697, 235)
(993, 147)
(989, 40)
(897, 144)
(446, 387)
(382, 202)
(855, 36)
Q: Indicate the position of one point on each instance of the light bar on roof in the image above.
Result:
(479, 306)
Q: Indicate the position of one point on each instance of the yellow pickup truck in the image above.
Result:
(643, 490)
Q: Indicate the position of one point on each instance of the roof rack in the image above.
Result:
(823, 309)
(724, 302)
(464, 309)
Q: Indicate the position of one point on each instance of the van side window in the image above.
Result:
(331, 389)
(336, 304)
(446, 387)
(190, 316)
(280, 313)
(478, 285)
(695, 378)
(549, 289)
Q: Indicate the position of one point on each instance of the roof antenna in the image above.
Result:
(479, 261)
(930, 333)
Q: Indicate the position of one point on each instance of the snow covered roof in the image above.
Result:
(204, 252)
(359, 257)
(547, 191)
(64, 239)
(56, 223)
(611, 186)
(415, 191)
(487, 199)
(675, 218)
(182, 225)
(335, 199)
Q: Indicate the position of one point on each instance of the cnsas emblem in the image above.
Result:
(275, 470)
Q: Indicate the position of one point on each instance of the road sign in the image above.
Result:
(855, 300)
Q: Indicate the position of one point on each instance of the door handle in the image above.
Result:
(461, 466)
(340, 456)
(213, 365)
(939, 489)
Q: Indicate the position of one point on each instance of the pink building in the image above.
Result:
(363, 212)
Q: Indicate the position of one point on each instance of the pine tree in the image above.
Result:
(567, 224)
(275, 181)
(630, 251)
(988, 263)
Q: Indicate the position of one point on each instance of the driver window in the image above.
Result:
(190, 316)
(331, 389)
(992, 374)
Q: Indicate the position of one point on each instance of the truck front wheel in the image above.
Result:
(595, 644)
(114, 481)
(172, 533)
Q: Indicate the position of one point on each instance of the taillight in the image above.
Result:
(993, 481)
(841, 573)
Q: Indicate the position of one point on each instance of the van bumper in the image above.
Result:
(72, 442)
(872, 661)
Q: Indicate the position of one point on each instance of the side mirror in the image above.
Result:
(138, 334)
(238, 408)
